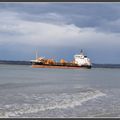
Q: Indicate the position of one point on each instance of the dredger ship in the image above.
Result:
(79, 61)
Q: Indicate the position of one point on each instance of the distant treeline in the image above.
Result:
(106, 65)
(94, 65)
(15, 62)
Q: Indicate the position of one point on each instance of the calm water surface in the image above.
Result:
(36, 92)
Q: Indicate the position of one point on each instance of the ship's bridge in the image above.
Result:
(81, 59)
(79, 56)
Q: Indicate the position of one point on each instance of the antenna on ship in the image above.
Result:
(36, 54)
(81, 51)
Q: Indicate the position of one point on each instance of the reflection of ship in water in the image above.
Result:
(80, 60)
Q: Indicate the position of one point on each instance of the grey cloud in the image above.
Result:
(84, 26)
(96, 15)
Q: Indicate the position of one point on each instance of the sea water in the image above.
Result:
(63, 93)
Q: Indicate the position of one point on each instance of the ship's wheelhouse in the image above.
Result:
(81, 59)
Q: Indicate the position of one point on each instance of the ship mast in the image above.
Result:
(81, 52)
(36, 54)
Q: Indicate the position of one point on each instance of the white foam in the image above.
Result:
(51, 101)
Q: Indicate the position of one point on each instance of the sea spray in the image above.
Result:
(51, 101)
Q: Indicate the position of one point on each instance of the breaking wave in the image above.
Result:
(48, 102)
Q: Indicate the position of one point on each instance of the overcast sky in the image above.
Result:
(60, 30)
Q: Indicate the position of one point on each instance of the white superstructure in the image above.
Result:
(82, 60)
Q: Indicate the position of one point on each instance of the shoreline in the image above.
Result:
(94, 65)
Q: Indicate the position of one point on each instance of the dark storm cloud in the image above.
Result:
(102, 16)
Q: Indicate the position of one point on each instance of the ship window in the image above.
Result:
(85, 56)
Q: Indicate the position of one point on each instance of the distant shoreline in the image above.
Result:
(15, 62)
(94, 65)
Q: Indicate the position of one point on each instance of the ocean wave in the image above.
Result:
(49, 102)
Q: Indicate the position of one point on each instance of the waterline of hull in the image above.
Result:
(60, 67)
